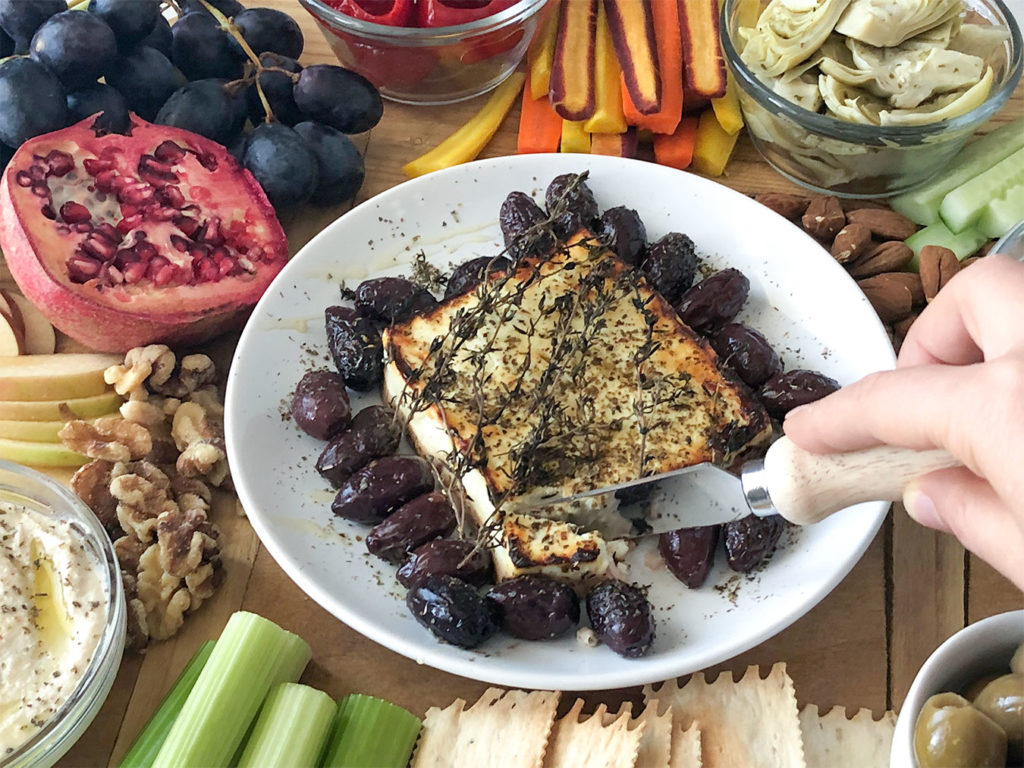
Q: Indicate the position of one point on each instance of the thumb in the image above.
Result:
(959, 502)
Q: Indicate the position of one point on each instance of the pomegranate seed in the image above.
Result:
(128, 210)
(74, 213)
(63, 230)
(247, 265)
(134, 272)
(81, 268)
(198, 251)
(49, 213)
(61, 163)
(200, 232)
(186, 224)
(207, 271)
(105, 180)
(125, 256)
(137, 195)
(126, 225)
(180, 243)
(23, 179)
(147, 251)
(225, 267)
(82, 228)
(169, 152)
(107, 232)
(213, 234)
(98, 248)
(219, 254)
(152, 169)
(172, 196)
(115, 275)
(165, 275)
(257, 254)
(41, 190)
(94, 166)
(208, 161)
(162, 214)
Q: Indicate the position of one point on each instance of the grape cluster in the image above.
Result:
(211, 72)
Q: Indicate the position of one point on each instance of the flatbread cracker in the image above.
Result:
(857, 742)
(506, 728)
(656, 742)
(603, 740)
(752, 723)
(686, 747)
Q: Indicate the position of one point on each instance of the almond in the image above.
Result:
(889, 295)
(790, 206)
(824, 217)
(902, 328)
(883, 223)
(913, 282)
(851, 242)
(890, 256)
(936, 265)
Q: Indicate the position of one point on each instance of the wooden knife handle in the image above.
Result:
(808, 487)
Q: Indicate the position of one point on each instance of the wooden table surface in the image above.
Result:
(860, 647)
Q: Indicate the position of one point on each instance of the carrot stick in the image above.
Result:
(574, 137)
(540, 127)
(542, 52)
(615, 144)
(669, 44)
(676, 149)
(713, 146)
(608, 116)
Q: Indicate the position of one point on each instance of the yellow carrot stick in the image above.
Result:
(542, 52)
(727, 108)
(467, 142)
(713, 146)
(608, 116)
(575, 137)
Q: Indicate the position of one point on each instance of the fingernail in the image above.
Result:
(921, 508)
(797, 410)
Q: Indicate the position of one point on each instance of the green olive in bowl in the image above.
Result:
(951, 733)
(1003, 701)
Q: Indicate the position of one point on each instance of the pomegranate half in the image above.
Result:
(156, 236)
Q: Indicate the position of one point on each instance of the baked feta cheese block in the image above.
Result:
(564, 375)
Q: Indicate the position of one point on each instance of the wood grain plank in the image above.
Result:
(989, 592)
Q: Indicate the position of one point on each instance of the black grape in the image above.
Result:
(131, 20)
(282, 163)
(207, 108)
(278, 88)
(32, 99)
(21, 18)
(201, 49)
(6, 153)
(6, 45)
(228, 7)
(269, 30)
(160, 38)
(339, 164)
(146, 79)
(100, 98)
(77, 47)
(338, 98)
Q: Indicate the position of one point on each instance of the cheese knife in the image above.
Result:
(802, 487)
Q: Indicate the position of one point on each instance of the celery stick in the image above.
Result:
(371, 733)
(143, 752)
(963, 244)
(291, 730)
(962, 206)
(251, 657)
(921, 204)
(1002, 215)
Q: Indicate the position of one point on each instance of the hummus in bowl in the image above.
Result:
(62, 617)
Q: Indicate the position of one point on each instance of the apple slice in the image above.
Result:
(632, 26)
(54, 377)
(36, 431)
(40, 454)
(572, 71)
(704, 67)
(40, 338)
(55, 410)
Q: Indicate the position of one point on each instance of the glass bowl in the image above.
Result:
(1012, 243)
(983, 648)
(848, 159)
(28, 488)
(438, 65)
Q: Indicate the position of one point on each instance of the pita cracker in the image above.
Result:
(686, 747)
(506, 728)
(858, 742)
(656, 742)
(603, 740)
(752, 723)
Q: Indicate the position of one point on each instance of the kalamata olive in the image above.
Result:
(781, 394)
(447, 557)
(453, 610)
(320, 404)
(470, 274)
(392, 299)
(426, 517)
(1003, 701)
(747, 352)
(715, 300)
(621, 617)
(670, 264)
(571, 204)
(690, 552)
(520, 219)
(381, 486)
(749, 540)
(374, 432)
(355, 347)
(535, 607)
(950, 733)
(622, 231)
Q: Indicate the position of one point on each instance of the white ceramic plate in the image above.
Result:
(801, 299)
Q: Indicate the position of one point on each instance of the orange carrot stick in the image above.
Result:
(540, 127)
(676, 149)
(669, 44)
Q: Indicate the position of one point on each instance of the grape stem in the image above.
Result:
(174, 6)
(77, 5)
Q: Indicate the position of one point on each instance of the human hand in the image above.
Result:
(958, 385)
